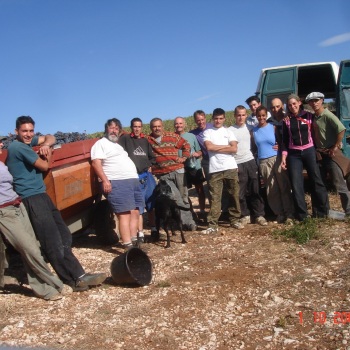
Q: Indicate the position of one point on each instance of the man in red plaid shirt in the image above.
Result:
(169, 166)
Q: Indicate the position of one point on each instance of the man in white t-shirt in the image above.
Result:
(247, 172)
(119, 180)
(221, 144)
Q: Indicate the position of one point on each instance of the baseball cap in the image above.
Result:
(3, 138)
(314, 96)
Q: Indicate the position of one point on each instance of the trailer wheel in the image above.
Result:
(105, 223)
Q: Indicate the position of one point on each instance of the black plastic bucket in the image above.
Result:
(133, 268)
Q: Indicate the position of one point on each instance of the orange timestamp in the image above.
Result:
(321, 317)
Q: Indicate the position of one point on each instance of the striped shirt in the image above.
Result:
(166, 152)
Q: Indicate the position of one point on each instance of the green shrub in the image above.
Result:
(163, 284)
(302, 232)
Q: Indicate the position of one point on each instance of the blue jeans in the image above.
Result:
(54, 237)
(147, 184)
(297, 160)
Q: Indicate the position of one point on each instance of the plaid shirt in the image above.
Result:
(166, 152)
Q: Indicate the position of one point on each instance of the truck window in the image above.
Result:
(278, 83)
(317, 78)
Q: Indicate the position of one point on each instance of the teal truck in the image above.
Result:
(331, 79)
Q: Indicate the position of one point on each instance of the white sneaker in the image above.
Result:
(237, 225)
(66, 290)
(260, 220)
(210, 230)
(245, 220)
(55, 297)
(289, 222)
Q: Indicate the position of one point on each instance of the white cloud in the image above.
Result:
(207, 96)
(335, 40)
(202, 98)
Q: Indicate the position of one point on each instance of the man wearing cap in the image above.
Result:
(328, 134)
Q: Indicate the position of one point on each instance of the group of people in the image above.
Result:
(290, 141)
(127, 165)
(286, 143)
(307, 140)
(274, 146)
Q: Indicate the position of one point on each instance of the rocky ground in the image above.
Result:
(247, 289)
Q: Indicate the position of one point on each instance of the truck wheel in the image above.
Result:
(105, 223)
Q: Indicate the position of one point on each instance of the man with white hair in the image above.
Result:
(119, 181)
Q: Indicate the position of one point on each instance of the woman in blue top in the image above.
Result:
(265, 140)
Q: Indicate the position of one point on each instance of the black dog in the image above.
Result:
(167, 211)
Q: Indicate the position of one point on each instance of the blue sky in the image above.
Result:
(72, 64)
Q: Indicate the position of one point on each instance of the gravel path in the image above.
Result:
(235, 289)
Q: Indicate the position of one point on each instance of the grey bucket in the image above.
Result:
(132, 268)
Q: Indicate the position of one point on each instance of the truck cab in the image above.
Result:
(301, 79)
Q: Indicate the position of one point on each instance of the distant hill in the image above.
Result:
(169, 124)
